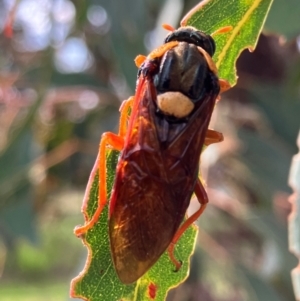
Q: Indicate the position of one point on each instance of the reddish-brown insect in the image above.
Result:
(160, 145)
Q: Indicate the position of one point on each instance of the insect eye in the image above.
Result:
(204, 41)
(210, 46)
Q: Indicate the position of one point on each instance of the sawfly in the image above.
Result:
(163, 129)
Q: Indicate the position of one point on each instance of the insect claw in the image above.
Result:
(178, 266)
(177, 263)
(79, 231)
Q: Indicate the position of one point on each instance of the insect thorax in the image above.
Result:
(183, 70)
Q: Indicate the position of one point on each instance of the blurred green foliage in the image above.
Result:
(49, 140)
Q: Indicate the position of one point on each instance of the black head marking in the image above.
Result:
(193, 36)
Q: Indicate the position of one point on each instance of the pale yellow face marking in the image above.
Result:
(175, 104)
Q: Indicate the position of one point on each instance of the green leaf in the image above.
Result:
(99, 280)
(247, 18)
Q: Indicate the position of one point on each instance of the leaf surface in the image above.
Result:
(246, 17)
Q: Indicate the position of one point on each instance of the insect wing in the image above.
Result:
(137, 232)
(155, 179)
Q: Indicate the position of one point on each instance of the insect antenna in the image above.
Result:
(224, 29)
(168, 27)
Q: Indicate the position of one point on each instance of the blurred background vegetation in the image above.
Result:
(65, 67)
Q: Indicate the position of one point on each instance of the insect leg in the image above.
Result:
(213, 137)
(124, 108)
(156, 53)
(112, 141)
(224, 85)
(203, 200)
(139, 60)
(161, 50)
